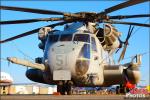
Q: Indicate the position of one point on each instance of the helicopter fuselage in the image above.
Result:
(81, 54)
(77, 52)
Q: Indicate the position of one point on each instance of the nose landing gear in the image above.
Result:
(64, 87)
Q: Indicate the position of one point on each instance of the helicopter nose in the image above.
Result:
(63, 56)
(70, 56)
(81, 67)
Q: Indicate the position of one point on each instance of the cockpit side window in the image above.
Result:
(66, 37)
(85, 51)
(93, 42)
(53, 38)
(82, 38)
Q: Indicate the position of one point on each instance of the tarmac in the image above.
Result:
(68, 97)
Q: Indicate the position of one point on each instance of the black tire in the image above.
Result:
(123, 89)
(117, 90)
(68, 90)
(63, 87)
(60, 88)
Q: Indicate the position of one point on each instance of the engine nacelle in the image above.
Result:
(134, 75)
(132, 70)
(111, 37)
(113, 74)
(116, 74)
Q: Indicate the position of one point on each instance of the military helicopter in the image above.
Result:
(80, 55)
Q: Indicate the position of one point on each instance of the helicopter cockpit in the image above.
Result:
(69, 37)
(53, 38)
(66, 37)
(82, 38)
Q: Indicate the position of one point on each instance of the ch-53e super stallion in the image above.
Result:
(81, 54)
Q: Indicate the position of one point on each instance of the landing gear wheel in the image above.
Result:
(117, 90)
(60, 88)
(121, 89)
(68, 87)
(64, 86)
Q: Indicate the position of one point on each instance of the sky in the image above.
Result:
(27, 47)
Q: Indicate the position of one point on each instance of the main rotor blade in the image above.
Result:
(127, 23)
(32, 32)
(121, 6)
(129, 16)
(126, 43)
(122, 54)
(30, 20)
(31, 10)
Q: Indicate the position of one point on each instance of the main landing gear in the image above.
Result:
(122, 89)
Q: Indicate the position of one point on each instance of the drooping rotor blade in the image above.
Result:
(129, 16)
(122, 53)
(127, 23)
(126, 44)
(32, 32)
(121, 6)
(31, 10)
(30, 20)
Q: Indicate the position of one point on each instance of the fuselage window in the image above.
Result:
(66, 37)
(53, 38)
(82, 38)
(93, 42)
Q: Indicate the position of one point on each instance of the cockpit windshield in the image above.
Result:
(66, 37)
(82, 38)
(53, 38)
